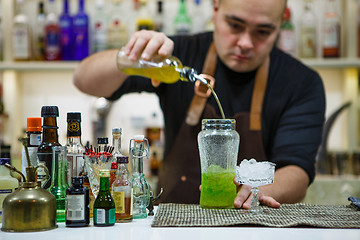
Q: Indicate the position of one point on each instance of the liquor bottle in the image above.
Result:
(117, 30)
(182, 22)
(308, 32)
(81, 33)
(52, 34)
(144, 19)
(159, 17)
(164, 69)
(116, 134)
(99, 28)
(39, 38)
(59, 182)
(86, 183)
(358, 28)
(33, 131)
(112, 177)
(74, 147)
(49, 140)
(331, 32)
(141, 189)
(8, 184)
(104, 205)
(154, 164)
(66, 29)
(286, 41)
(21, 35)
(122, 191)
(77, 204)
(197, 17)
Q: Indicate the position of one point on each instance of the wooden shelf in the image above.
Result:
(38, 66)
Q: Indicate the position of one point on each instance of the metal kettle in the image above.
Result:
(30, 208)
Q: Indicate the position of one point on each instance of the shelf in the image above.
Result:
(38, 66)
(332, 63)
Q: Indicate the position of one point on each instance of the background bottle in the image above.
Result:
(99, 27)
(117, 30)
(197, 17)
(77, 204)
(39, 38)
(159, 17)
(358, 28)
(182, 22)
(8, 184)
(50, 139)
(59, 182)
(286, 41)
(112, 177)
(331, 32)
(308, 32)
(116, 134)
(52, 34)
(33, 131)
(21, 35)
(122, 191)
(81, 33)
(102, 143)
(74, 147)
(104, 205)
(66, 29)
(144, 19)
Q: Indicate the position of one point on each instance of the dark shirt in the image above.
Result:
(293, 108)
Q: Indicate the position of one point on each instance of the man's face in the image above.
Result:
(245, 31)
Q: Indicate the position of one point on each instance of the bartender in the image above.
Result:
(277, 101)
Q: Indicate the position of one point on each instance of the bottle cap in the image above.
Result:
(104, 173)
(77, 180)
(113, 165)
(139, 137)
(4, 160)
(104, 140)
(49, 111)
(33, 124)
(73, 116)
(122, 159)
(117, 130)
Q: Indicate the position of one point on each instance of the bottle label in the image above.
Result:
(331, 35)
(119, 198)
(35, 139)
(75, 207)
(73, 129)
(103, 216)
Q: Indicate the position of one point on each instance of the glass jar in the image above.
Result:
(218, 148)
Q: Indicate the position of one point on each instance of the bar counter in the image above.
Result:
(140, 229)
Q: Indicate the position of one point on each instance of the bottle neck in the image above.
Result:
(137, 165)
(104, 184)
(117, 143)
(74, 141)
(81, 6)
(66, 6)
(50, 132)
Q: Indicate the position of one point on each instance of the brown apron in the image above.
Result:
(180, 175)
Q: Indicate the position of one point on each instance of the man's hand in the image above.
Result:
(244, 196)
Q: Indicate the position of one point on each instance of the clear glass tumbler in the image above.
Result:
(218, 147)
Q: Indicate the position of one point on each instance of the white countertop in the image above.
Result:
(140, 229)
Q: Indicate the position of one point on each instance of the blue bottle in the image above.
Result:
(66, 30)
(81, 33)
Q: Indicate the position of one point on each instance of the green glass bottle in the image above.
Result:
(104, 205)
(182, 20)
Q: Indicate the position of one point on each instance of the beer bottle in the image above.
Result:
(104, 205)
(49, 139)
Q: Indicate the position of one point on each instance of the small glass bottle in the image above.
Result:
(117, 32)
(141, 189)
(99, 28)
(331, 32)
(77, 204)
(112, 177)
(286, 41)
(164, 69)
(52, 34)
(59, 182)
(308, 32)
(8, 184)
(116, 134)
(122, 192)
(81, 32)
(182, 22)
(74, 147)
(50, 138)
(33, 131)
(66, 29)
(104, 205)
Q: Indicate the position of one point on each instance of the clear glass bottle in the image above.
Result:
(122, 192)
(8, 184)
(99, 28)
(66, 29)
(116, 134)
(74, 146)
(117, 29)
(52, 34)
(182, 21)
(164, 69)
(77, 204)
(39, 37)
(104, 205)
(218, 148)
(33, 131)
(144, 19)
(59, 182)
(50, 138)
(21, 35)
(308, 35)
(139, 148)
(81, 32)
(331, 32)
(287, 39)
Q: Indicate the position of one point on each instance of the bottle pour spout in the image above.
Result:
(192, 75)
